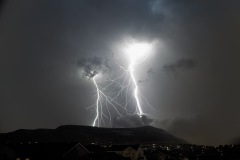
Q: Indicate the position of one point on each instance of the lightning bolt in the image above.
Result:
(104, 102)
(131, 69)
(138, 53)
(97, 104)
(114, 93)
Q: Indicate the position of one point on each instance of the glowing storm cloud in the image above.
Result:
(137, 52)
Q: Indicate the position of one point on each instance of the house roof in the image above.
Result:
(78, 146)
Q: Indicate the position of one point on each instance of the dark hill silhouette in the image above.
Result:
(87, 134)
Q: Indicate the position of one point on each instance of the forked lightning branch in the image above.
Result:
(125, 88)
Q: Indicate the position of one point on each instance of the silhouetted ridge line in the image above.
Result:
(88, 134)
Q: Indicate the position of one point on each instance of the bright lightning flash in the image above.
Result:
(97, 103)
(137, 53)
(102, 105)
(114, 97)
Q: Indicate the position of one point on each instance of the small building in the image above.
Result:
(133, 152)
(76, 152)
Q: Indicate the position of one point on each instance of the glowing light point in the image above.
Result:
(137, 51)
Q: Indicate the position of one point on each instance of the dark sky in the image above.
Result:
(191, 79)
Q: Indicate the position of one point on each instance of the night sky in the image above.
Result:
(191, 78)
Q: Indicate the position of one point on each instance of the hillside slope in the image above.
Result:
(87, 134)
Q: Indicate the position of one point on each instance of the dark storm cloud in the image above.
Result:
(93, 66)
(200, 106)
(131, 121)
(146, 120)
(2, 2)
(207, 131)
(150, 71)
(141, 81)
(182, 64)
